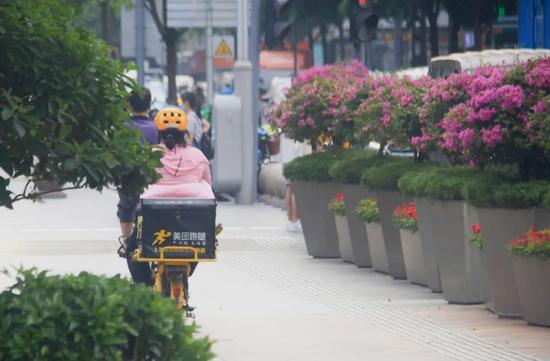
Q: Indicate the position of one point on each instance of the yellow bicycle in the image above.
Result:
(185, 237)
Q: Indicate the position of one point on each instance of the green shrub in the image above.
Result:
(349, 169)
(367, 210)
(385, 175)
(312, 167)
(489, 192)
(63, 105)
(88, 317)
(443, 183)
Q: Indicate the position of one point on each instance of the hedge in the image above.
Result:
(386, 174)
(86, 317)
(312, 167)
(504, 193)
(349, 169)
(444, 183)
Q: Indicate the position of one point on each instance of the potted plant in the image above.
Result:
(405, 219)
(531, 260)
(439, 191)
(313, 188)
(347, 172)
(337, 206)
(382, 179)
(504, 209)
(368, 212)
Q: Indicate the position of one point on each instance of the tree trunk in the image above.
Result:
(171, 40)
(477, 31)
(105, 21)
(342, 41)
(324, 43)
(434, 33)
(412, 26)
(453, 35)
(311, 43)
(398, 41)
(423, 58)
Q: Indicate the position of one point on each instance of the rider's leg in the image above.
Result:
(140, 271)
(126, 211)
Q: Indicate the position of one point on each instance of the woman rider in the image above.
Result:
(185, 173)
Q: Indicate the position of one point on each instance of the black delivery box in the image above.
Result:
(178, 222)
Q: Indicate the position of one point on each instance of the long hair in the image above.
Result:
(172, 137)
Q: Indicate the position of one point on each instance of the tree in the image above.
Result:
(171, 37)
(93, 12)
(478, 15)
(63, 106)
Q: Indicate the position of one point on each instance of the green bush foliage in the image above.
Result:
(88, 317)
(385, 175)
(63, 105)
(444, 183)
(490, 192)
(348, 170)
(312, 167)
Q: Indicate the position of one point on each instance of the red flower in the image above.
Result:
(476, 228)
(340, 197)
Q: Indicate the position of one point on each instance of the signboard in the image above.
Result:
(224, 51)
(194, 13)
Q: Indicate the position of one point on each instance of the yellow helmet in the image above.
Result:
(171, 117)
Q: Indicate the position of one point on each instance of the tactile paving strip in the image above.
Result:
(429, 333)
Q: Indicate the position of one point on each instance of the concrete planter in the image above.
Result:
(542, 217)
(498, 227)
(425, 223)
(533, 282)
(387, 201)
(413, 255)
(353, 193)
(377, 248)
(471, 217)
(317, 222)
(459, 265)
(344, 239)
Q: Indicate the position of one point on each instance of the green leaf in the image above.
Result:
(7, 113)
(19, 129)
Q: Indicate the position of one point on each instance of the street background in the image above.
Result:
(265, 299)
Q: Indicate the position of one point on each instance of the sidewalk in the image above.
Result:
(265, 299)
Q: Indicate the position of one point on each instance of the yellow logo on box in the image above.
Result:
(161, 237)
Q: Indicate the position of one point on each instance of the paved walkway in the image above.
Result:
(267, 300)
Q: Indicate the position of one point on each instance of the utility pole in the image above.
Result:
(209, 53)
(243, 89)
(255, 58)
(140, 40)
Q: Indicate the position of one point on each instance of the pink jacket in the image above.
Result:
(185, 174)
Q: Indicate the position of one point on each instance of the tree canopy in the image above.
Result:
(63, 105)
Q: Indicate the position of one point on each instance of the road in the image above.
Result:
(265, 299)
